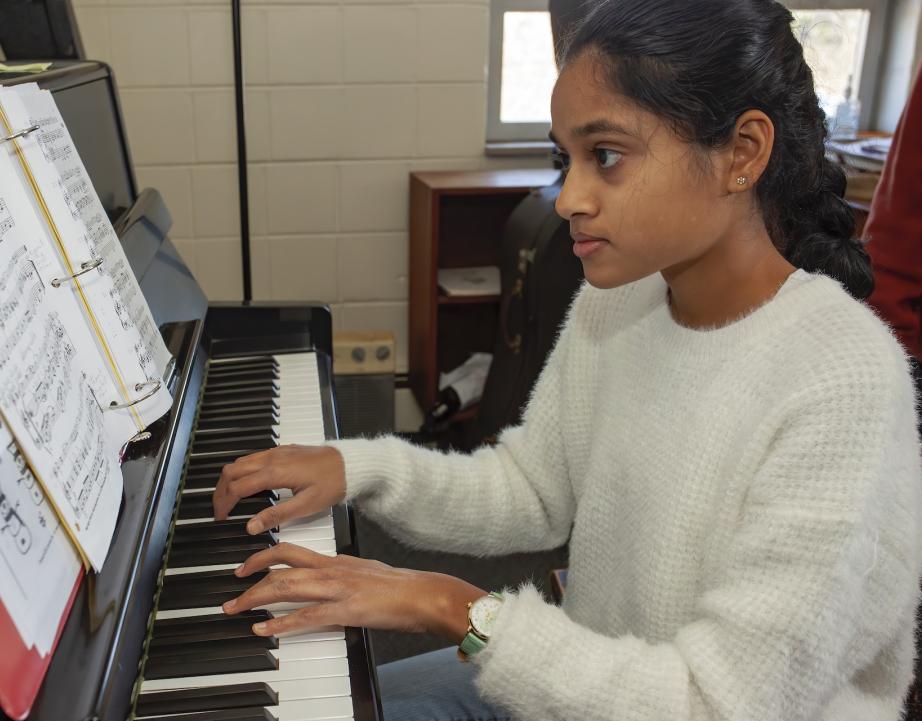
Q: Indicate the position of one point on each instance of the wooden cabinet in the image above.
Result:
(456, 221)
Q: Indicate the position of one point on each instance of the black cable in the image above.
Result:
(242, 154)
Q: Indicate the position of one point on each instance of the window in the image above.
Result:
(522, 71)
(843, 40)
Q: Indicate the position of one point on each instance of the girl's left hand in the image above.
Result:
(349, 591)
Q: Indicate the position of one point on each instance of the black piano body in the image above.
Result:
(93, 675)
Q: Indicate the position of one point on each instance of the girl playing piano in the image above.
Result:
(724, 434)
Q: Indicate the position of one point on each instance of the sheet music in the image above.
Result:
(112, 291)
(48, 363)
(38, 564)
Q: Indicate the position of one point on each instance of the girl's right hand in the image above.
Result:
(315, 475)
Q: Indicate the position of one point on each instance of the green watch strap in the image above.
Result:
(471, 644)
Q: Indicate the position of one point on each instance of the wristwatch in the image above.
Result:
(481, 615)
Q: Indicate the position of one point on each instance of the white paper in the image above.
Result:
(112, 292)
(38, 564)
(481, 280)
(48, 363)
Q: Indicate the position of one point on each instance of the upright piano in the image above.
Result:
(145, 638)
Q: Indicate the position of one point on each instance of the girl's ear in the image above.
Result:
(750, 149)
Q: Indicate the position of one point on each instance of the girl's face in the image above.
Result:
(639, 198)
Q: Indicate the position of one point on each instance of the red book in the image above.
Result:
(22, 669)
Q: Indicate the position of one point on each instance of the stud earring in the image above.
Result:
(741, 180)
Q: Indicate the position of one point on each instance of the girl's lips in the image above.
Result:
(586, 245)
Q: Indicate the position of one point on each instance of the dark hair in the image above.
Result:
(703, 63)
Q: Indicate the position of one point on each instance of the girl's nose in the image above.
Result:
(575, 198)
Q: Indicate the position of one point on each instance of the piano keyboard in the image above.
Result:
(202, 664)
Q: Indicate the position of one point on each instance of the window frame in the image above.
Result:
(503, 133)
(498, 131)
(871, 65)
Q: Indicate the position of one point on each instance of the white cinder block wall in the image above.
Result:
(344, 99)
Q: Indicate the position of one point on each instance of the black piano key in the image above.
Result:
(210, 530)
(259, 400)
(210, 580)
(239, 395)
(263, 405)
(205, 479)
(221, 365)
(219, 648)
(228, 635)
(251, 713)
(249, 380)
(204, 509)
(175, 602)
(233, 433)
(208, 664)
(242, 421)
(218, 375)
(186, 538)
(239, 380)
(267, 386)
(187, 556)
(221, 556)
(214, 650)
(193, 493)
(243, 695)
(192, 625)
(212, 461)
(260, 442)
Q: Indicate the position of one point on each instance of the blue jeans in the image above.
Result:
(433, 686)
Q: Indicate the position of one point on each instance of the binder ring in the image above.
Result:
(84, 268)
(113, 406)
(20, 134)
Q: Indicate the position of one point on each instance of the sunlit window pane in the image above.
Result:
(529, 71)
(834, 42)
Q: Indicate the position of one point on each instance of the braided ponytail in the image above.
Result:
(655, 57)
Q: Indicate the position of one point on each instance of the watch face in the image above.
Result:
(483, 614)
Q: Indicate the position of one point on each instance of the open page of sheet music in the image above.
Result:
(133, 345)
(40, 566)
(50, 370)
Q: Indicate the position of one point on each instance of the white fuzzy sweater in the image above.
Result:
(743, 508)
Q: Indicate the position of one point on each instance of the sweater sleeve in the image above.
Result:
(514, 496)
(820, 578)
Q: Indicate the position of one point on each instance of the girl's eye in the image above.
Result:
(561, 158)
(606, 158)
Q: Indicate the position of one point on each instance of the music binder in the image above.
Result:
(80, 367)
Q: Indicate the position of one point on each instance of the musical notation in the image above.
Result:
(35, 553)
(112, 292)
(47, 396)
(6, 220)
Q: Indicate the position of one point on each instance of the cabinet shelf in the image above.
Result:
(467, 299)
(457, 220)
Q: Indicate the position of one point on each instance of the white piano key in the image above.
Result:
(180, 570)
(300, 671)
(290, 652)
(312, 710)
(203, 519)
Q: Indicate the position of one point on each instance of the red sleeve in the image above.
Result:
(894, 229)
